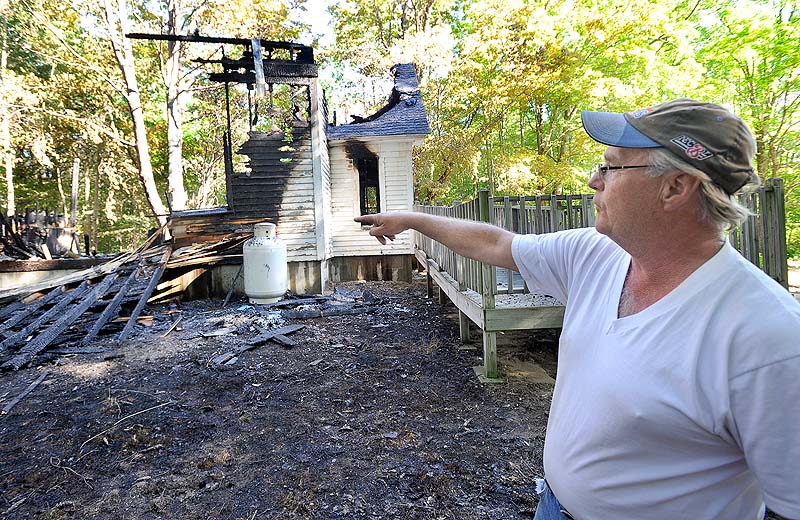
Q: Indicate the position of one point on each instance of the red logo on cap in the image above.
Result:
(692, 148)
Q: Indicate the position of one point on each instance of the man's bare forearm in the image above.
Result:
(477, 240)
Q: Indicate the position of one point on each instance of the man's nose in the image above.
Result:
(595, 182)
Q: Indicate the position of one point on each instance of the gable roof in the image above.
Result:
(404, 114)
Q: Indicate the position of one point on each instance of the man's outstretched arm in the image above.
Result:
(477, 240)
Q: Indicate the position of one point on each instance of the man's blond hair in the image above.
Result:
(717, 207)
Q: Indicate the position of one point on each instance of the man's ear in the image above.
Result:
(678, 189)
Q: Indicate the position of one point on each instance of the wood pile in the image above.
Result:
(65, 315)
(189, 263)
(13, 244)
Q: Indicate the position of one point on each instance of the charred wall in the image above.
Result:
(276, 169)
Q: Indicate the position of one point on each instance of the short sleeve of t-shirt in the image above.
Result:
(765, 408)
(550, 263)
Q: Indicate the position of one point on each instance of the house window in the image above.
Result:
(368, 185)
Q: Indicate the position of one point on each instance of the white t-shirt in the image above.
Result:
(687, 409)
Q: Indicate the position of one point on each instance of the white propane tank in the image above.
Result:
(265, 272)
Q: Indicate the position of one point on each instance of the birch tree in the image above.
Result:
(116, 19)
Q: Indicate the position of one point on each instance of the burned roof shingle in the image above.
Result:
(404, 114)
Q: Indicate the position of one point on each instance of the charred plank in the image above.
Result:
(111, 310)
(28, 310)
(40, 342)
(54, 311)
(271, 335)
(145, 296)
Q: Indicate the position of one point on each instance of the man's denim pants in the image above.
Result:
(549, 508)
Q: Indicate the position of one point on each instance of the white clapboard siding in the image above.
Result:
(396, 189)
(280, 186)
(326, 185)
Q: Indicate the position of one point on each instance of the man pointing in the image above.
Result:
(678, 388)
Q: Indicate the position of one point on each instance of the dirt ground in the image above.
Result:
(375, 415)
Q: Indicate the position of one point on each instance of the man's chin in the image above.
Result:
(600, 225)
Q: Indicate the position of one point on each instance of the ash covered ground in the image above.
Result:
(371, 415)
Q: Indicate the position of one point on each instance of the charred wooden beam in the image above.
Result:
(271, 335)
(296, 75)
(233, 285)
(54, 311)
(11, 308)
(301, 53)
(23, 266)
(43, 340)
(30, 388)
(145, 296)
(28, 310)
(111, 310)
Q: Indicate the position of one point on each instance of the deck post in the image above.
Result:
(442, 297)
(778, 231)
(461, 278)
(428, 277)
(488, 288)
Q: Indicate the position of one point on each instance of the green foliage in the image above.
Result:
(503, 82)
(504, 103)
(61, 93)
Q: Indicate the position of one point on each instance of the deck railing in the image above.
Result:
(761, 239)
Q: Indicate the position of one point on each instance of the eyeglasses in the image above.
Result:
(602, 169)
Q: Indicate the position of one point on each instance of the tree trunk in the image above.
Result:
(5, 131)
(73, 192)
(95, 224)
(8, 160)
(61, 194)
(87, 211)
(118, 27)
(175, 105)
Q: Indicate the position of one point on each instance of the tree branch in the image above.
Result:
(82, 120)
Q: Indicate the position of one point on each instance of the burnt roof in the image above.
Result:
(404, 114)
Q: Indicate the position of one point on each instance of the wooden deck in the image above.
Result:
(515, 311)
(484, 296)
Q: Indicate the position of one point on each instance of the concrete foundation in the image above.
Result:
(21, 273)
(304, 277)
(395, 268)
(11, 280)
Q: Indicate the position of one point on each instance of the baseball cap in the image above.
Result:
(705, 135)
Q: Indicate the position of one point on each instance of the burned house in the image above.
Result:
(371, 171)
(311, 178)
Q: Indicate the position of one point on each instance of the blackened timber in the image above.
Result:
(275, 70)
(43, 340)
(29, 309)
(270, 334)
(54, 311)
(145, 296)
(111, 310)
(253, 343)
(299, 77)
(30, 388)
(24, 266)
(333, 310)
(301, 53)
(233, 285)
(11, 308)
